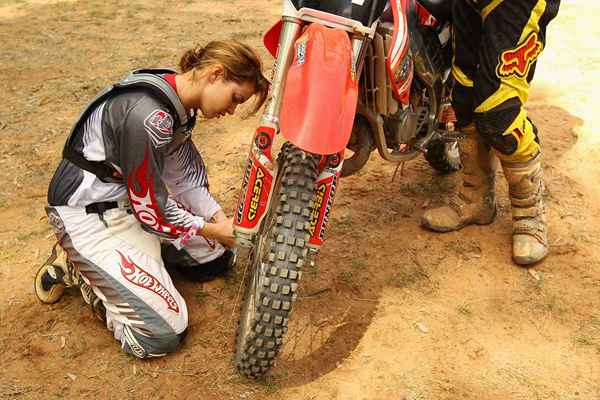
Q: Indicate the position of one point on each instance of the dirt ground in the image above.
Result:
(390, 312)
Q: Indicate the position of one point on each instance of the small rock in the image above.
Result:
(71, 376)
(534, 274)
(420, 326)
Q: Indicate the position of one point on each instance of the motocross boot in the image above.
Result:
(530, 231)
(474, 203)
(58, 273)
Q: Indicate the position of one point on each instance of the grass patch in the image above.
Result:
(272, 384)
(358, 264)
(584, 340)
(465, 310)
(345, 276)
(406, 276)
(201, 296)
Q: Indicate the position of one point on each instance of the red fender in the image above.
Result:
(271, 38)
(321, 92)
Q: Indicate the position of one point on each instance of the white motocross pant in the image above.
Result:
(123, 265)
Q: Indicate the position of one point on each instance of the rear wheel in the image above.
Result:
(361, 144)
(276, 264)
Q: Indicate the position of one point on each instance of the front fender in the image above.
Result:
(321, 91)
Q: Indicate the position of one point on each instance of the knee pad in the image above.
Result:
(142, 346)
(508, 130)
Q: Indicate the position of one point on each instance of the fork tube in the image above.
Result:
(285, 55)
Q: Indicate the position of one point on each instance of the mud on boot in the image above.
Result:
(475, 201)
(530, 230)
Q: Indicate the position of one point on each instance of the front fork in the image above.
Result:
(330, 169)
(257, 184)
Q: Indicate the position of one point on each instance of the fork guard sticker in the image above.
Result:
(257, 180)
(322, 204)
(252, 205)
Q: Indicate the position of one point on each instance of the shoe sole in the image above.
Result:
(425, 224)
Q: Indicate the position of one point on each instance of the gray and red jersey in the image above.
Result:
(134, 133)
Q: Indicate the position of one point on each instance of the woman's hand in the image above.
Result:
(221, 231)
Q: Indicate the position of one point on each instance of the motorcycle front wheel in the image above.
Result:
(276, 264)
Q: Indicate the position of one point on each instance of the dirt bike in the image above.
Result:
(361, 75)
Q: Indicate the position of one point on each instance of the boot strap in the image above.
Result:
(531, 227)
(457, 203)
(526, 212)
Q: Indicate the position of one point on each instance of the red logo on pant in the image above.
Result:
(518, 61)
(136, 275)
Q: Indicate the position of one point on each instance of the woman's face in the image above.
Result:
(220, 97)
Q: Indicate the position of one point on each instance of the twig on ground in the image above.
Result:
(315, 293)
(359, 299)
(401, 166)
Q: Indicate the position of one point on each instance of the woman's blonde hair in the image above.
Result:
(239, 61)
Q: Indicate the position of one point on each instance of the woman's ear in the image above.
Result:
(216, 72)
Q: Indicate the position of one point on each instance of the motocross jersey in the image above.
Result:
(137, 134)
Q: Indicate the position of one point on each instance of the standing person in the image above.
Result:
(496, 46)
(132, 175)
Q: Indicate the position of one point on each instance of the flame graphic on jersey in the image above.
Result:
(136, 275)
(143, 200)
(519, 61)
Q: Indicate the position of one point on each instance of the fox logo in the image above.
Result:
(519, 60)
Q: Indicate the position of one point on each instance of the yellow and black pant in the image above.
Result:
(496, 46)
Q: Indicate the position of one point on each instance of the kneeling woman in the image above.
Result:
(132, 176)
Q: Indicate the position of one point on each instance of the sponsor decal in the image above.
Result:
(134, 346)
(256, 192)
(143, 201)
(334, 161)
(321, 219)
(316, 211)
(159, 125)
(518, 61)
(136, 275)
(263, 140)
(56, 222)
(328, 208)
(301, 52)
